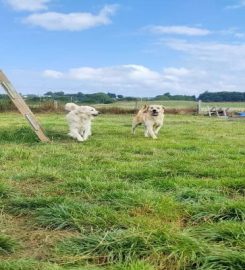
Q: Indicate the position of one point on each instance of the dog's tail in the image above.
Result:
(71, 106)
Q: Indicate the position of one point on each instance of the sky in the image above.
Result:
(130, 47)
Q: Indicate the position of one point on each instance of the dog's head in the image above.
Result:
(88, 110)
(154, 110)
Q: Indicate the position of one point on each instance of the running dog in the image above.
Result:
(152, 117)
(79, 120)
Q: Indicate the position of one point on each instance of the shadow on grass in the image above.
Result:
(27, 135)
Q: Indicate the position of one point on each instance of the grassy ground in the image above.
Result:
(123, 202)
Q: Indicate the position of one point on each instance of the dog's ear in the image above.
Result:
(145, 108)
(71, 106)
(163, 109)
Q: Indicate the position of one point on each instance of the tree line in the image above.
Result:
(222, 96)
(106, 98)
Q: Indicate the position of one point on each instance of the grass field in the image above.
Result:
(178, 104)
(172, 106)
(123, 202)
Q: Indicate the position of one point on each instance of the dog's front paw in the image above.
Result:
(80, 139)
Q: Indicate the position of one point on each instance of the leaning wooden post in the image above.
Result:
(22, 107)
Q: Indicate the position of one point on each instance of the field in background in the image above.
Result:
(172, 107)
(167, 104)
(176, 104)
(122, 202)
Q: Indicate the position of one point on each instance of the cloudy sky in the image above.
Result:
(129, 47)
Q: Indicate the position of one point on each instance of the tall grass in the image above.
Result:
(166, 250)
(7, 244)
(227, 232)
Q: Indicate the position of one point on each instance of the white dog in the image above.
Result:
(152, 117)
(79, 120)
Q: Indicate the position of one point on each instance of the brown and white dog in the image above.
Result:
(79, 120)
(152, 117)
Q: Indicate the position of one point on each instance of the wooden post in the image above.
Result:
(22, 107)
(209, 111)
(136, 104)
(55, 104)
(199, 106)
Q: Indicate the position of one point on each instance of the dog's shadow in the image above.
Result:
(27, 135)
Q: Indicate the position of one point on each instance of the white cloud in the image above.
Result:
(229, 55)
(234, 31)
(217, 66)
(52, 74)
(178, 30)
(71, 21)
(135, 80)
(116, 75)
(28, 5)
(240, 4)
(177, 71)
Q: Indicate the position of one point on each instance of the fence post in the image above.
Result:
(199, 106)
(136, 104)
(55, 104)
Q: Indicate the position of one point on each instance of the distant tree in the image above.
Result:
(168, 96)
(97, 98)
(80, 94)
(222, 96)
(111, 95)
(59, 94)
(49, 93)
(3, 96)
(119, 96)
(129, 99)
(161, 97)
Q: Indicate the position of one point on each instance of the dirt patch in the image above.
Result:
(32, 242)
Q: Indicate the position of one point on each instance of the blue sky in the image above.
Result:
(129, 47)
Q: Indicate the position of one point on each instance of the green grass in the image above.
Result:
(228, 232)
(7, 244)
(4, 190)
(123, 202)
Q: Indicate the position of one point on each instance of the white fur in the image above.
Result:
(79, 120)
(71, 106)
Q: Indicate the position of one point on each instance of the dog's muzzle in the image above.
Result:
(154, 113)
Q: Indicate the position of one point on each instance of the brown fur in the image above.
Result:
(152, 117)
